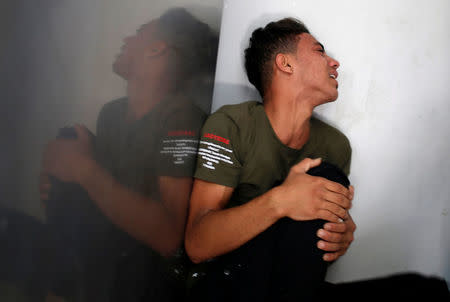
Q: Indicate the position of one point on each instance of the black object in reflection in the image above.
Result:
(77, 231)
(71, 213)
(70, 210)
(23, 246)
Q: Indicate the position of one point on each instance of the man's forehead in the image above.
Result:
(308, 39)
(148, 30)
(149, 26)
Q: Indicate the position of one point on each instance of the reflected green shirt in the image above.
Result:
(162, 143)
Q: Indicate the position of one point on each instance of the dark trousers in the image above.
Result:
(282, 263)
(98, 261)
(78, 256)
(24, 252)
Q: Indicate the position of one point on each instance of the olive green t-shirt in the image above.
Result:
(162, 143)
(239, 149)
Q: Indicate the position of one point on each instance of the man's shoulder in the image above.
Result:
(234, 109)
(116, 105)
(223, 143)
(236, 113)
(183, 111)
(327, 132)
(334, 143)
(232, 127)
(111, 113)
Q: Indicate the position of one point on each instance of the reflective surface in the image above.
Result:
(111, 126)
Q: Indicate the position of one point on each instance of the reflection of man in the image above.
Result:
(251, 186)
(139, 172)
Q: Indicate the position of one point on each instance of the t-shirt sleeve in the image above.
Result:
(345, 155)
(178, 144)
(347, 162)
(217, 159)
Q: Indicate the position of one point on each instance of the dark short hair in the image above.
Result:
(265, 43)
(195, 42)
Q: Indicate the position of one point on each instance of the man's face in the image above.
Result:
(315, 71)
(132, 59)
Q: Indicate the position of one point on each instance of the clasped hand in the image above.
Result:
(306, 197)
(65, 159)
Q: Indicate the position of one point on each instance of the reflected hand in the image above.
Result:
(44, 187)
(65, 158)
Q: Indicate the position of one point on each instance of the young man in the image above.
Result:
(253, 208)
(139, 171)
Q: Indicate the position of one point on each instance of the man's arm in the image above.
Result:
(212, 230)
(159, 224)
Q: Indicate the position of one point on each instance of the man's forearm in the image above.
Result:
(221, 231)
(147, 220)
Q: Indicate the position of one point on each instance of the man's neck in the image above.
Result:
(289, 116)
(142, 99)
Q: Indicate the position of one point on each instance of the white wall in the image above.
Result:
(394, 106)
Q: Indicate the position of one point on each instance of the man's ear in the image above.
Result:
(282, 63)
(156, 48)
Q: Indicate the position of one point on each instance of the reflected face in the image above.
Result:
(316, 72)
(132, 57)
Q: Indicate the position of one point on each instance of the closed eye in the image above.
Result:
(320, 47)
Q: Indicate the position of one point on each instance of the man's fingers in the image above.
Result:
(337, 188)
(82, 132)
(352, 192)
(329, 216)
(329, 246)
(314, 163)
(44, 187)
(335, 227)
(307, 164)
(44, 197)
(330, 236)
(336, 237)
(44, 203)
(44, 179)
(48, 157)
(335, 209)
(332, 256)
(337, 199)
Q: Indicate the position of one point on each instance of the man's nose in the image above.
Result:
(127, 39)
(333, 63)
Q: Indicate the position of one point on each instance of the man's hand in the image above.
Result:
(44, 187)
(306, 197)
(336, 238)
(64, 158)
